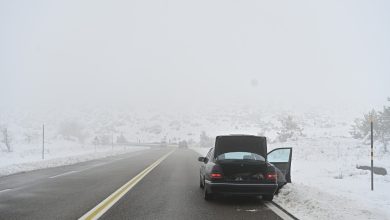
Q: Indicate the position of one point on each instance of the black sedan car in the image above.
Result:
(240, 165)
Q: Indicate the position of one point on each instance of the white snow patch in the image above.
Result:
(308, 202)
(11, 165)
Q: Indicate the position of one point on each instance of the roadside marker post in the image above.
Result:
(112, 141)
(43, 141)
(372, 154)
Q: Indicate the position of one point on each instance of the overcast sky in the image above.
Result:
(184, 52)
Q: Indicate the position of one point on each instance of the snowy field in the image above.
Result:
(326, 183)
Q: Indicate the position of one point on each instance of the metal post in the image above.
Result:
(43, 141)
(372, 155)
(6, 139)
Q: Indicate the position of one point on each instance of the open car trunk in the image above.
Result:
(243, 171)
(240, 143)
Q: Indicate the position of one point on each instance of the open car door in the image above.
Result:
(281, 158)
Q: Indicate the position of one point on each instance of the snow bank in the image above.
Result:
(15, 163)
(307, 202)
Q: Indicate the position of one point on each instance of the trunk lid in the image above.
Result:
(241, 157)
(240, 143)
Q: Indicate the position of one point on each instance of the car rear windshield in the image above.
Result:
(240, 156)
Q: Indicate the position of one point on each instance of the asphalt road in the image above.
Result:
(170, 191)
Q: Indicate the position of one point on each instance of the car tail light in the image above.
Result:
(216, 172)
(271, 176)
(216, 176)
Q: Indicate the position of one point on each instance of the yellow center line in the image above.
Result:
(107, 203)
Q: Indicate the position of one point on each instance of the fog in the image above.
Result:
(194, 54)
(103, 92)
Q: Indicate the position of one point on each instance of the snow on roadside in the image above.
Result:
(34, 163)
(307, 202)
(316, 194)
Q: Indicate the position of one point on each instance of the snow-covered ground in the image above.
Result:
(326, 183)
(325, 176)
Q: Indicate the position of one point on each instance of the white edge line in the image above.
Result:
(93, 166)
(96, 165)
(5, 190)
(63, 174)
(112, 161)
(277, 211)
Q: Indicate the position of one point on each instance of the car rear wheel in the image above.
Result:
(201, 182)
(207, 196)
(268, 197)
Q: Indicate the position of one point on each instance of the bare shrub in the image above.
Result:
(6, 139)
(72, 131)
(289, 128)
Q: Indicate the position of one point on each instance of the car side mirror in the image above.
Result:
(203, 159)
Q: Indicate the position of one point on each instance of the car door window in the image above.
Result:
(279, 156)
(210, 154)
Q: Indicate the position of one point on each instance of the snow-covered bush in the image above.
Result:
(155, 129)
(289, 128)
(96, 141)
(105, 139)
(72, 131)
(205, 141)
(6, 139)
(361, 128)
(121, 139)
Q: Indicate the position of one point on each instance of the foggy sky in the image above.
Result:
(159, 53)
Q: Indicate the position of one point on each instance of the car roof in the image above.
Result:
(240, 135)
